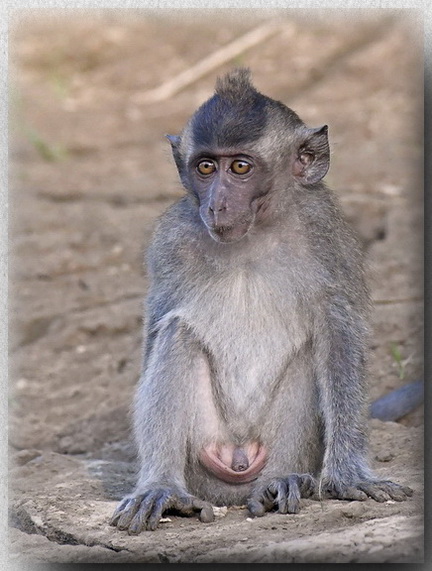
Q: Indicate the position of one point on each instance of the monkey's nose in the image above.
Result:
(217, 208)
(217, 213)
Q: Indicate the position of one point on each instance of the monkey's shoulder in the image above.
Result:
(179, 218)
(331, 239)
(175, 237)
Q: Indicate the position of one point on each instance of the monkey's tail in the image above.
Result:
(399, 402)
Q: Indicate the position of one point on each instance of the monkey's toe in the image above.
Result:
(256, 508)
(351, 493)
(207, 515)
(190, 505)
(284, 494)
(337, 490)
(118, 512)
(287, 494)
(144, 511)
(379, 490)
(125, 512)
(136, 519)
(384, 490)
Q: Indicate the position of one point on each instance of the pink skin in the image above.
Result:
(248, 461)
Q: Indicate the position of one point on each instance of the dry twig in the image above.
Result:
(208, 64)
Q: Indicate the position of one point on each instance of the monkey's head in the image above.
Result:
(241, 149)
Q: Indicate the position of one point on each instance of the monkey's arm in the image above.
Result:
(161, 426)
(340, 373)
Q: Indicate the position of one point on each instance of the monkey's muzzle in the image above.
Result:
(228, 234)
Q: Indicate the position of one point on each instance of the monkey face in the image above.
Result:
(227, 186)
(237, 148)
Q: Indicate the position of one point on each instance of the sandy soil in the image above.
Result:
(91, 171)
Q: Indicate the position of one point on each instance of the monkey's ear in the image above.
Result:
(313, 156)
(175, 146)
(174, 140)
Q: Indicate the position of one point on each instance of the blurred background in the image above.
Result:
(92, 95)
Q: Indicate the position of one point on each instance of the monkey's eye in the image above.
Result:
(240, 167)
(206, 167)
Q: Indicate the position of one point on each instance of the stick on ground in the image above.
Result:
(208, 64)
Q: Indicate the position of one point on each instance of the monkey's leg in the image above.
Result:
(292, 435)
(339, 369)
(162, 422)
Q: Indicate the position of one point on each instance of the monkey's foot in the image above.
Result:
(284, 494)
(144, 511)
(378, 490)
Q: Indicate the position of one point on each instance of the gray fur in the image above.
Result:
(261, 339)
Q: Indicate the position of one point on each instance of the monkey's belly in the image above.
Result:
(234, 464)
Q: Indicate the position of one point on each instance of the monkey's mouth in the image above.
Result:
(229, 234)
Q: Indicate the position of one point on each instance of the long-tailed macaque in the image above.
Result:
(253, 384)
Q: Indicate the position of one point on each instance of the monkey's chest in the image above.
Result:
(252, 329)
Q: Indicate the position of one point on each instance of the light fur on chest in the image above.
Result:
(250, 330)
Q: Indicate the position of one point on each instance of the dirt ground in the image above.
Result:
(91, 171)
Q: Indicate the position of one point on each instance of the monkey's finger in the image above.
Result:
(287, 494)
(261, 501)
(128, 513)
(268, 498)
(206, 513)
(255, 507)
(182, 504)
(396, 495)
(395, 491)
(375, 490)
(118, 511)
(307, 485)
(189, 505)
(293, 503)
(280, 490)
(350, 493)
(139, 522)
(392, 491)
(161, 503)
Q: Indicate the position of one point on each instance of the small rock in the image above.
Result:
(37, 520)
(220, 511)
(384, 456)
(354, 510)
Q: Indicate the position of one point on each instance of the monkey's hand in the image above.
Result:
(143, 511)
(284, 494)
(378, 490)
